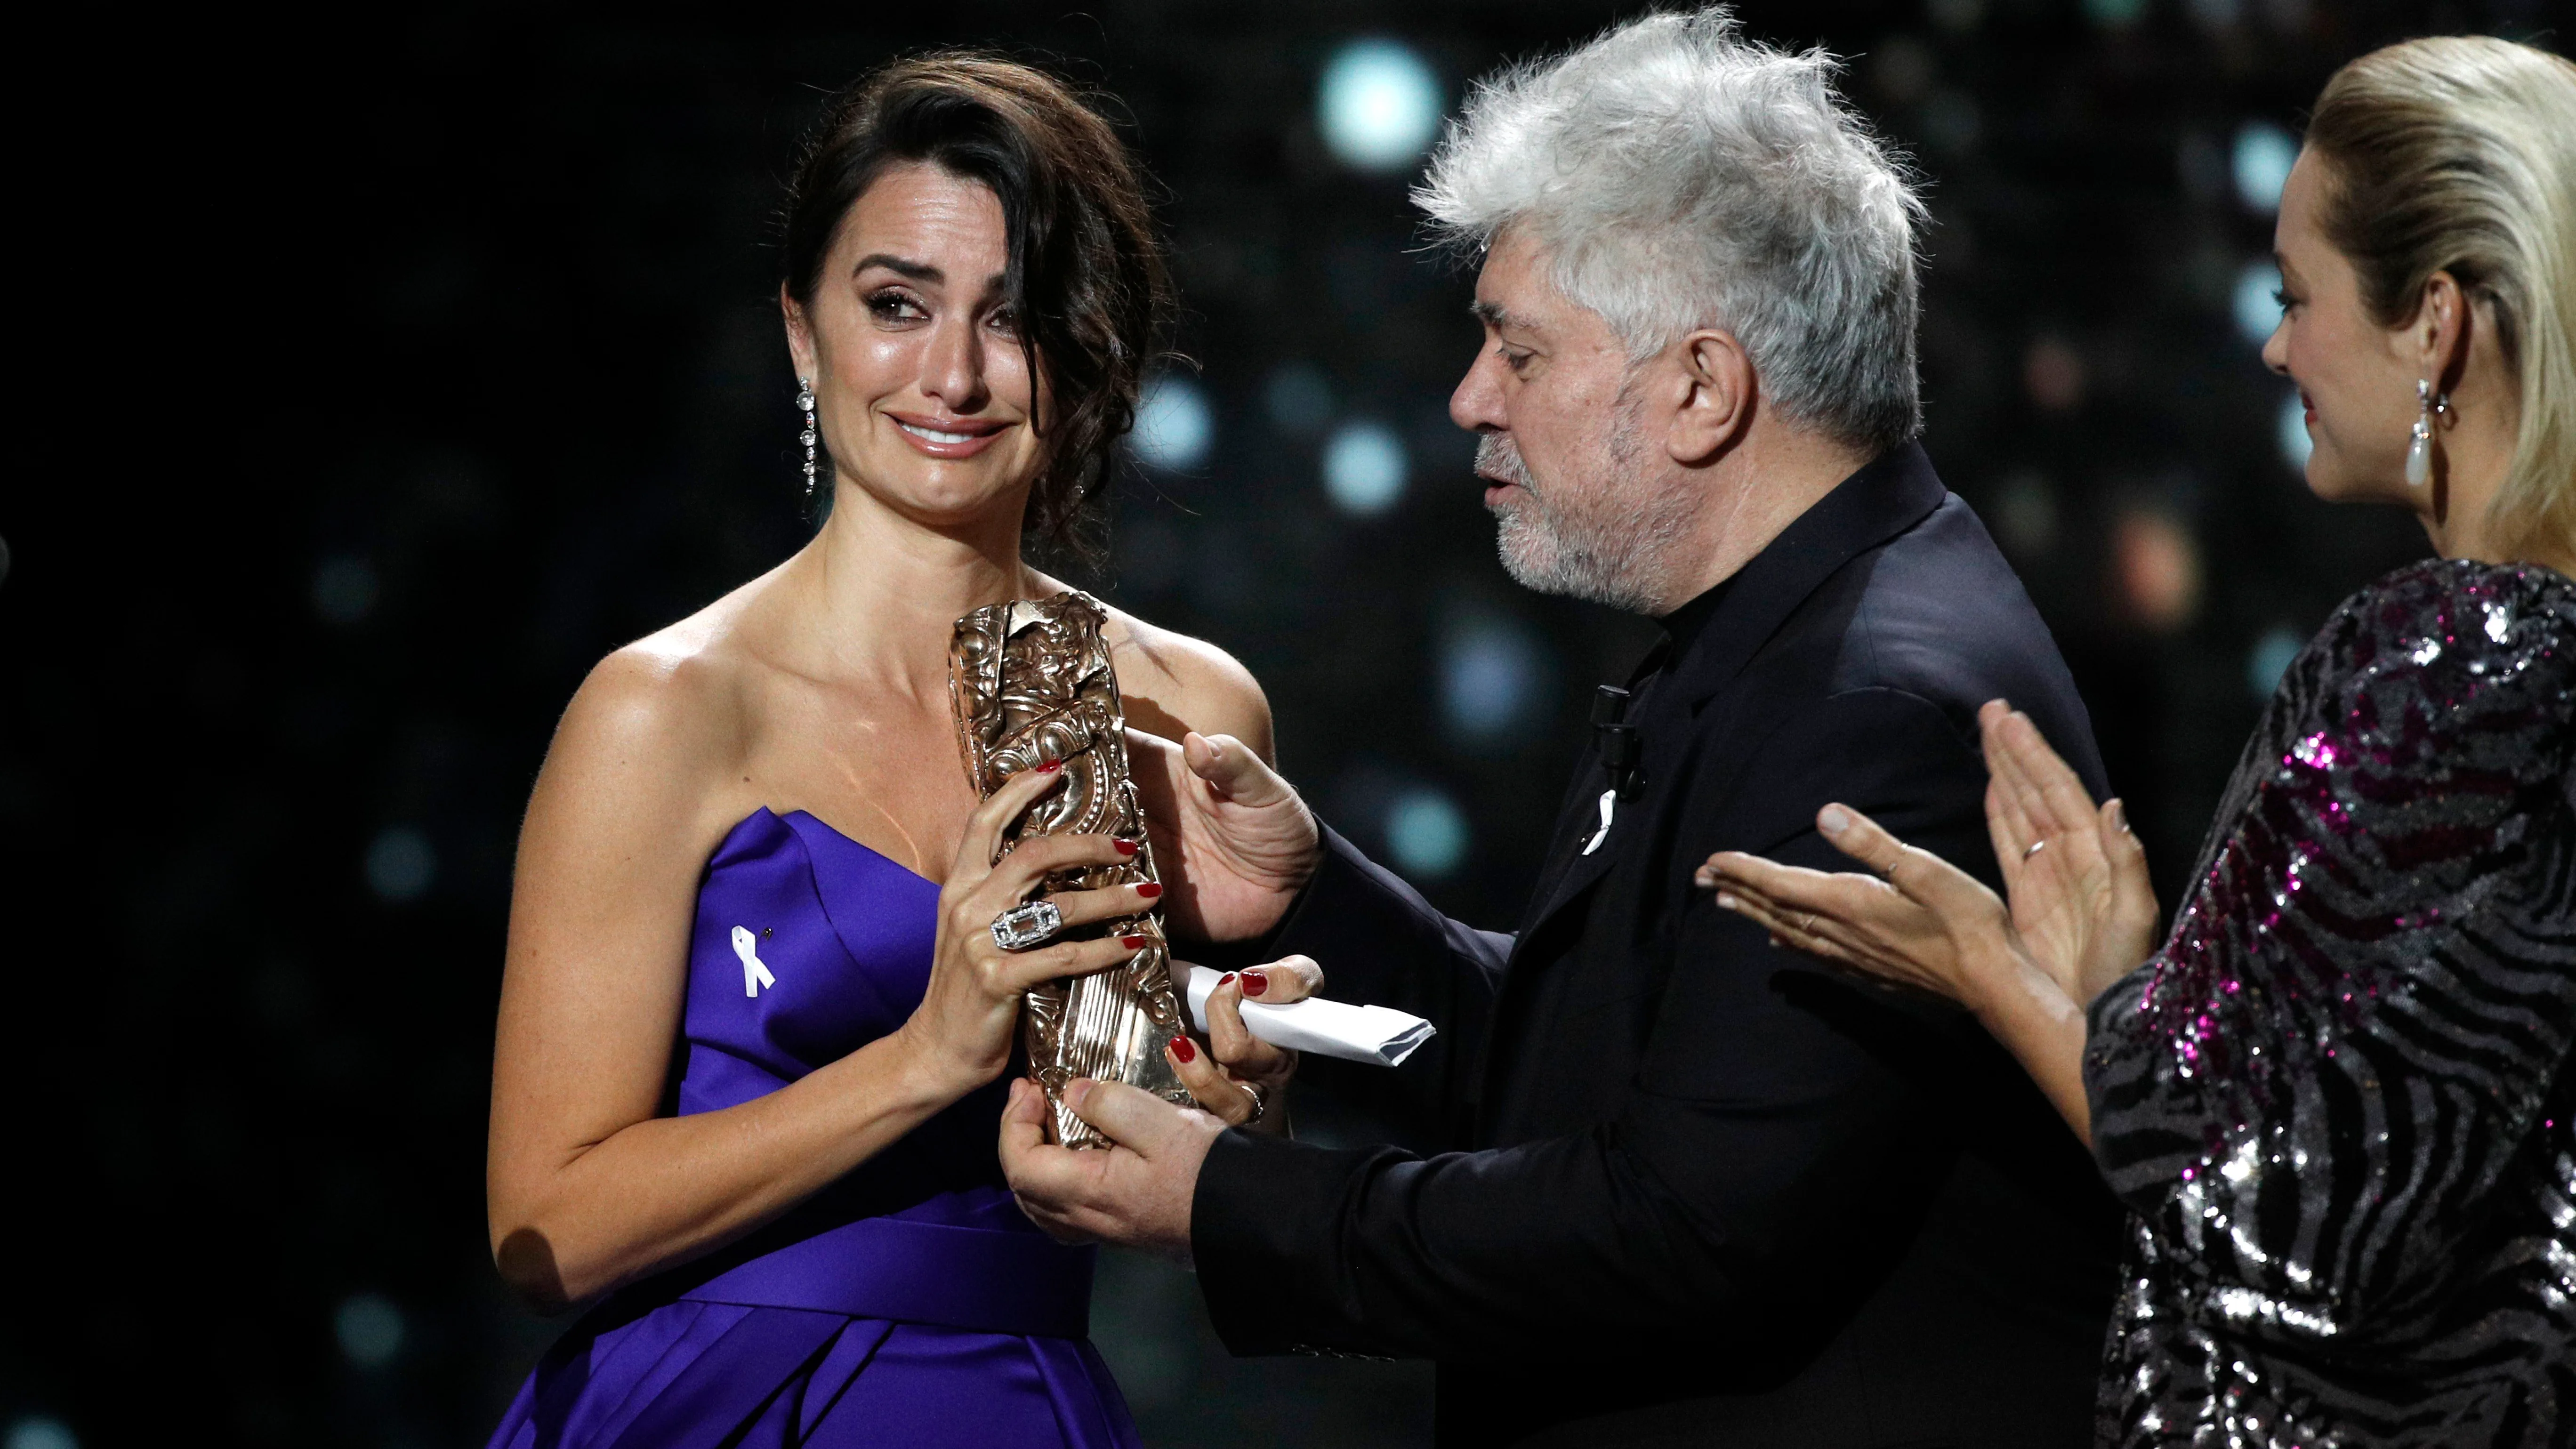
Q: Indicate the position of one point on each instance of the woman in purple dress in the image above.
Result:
(746, 1091)
(2340, 1100)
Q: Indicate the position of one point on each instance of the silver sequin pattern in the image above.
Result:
(2340, 1102)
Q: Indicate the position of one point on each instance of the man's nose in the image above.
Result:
(1477, 402)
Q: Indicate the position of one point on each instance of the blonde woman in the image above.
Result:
(2340, 1100)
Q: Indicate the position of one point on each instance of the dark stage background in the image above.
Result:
(442, 358)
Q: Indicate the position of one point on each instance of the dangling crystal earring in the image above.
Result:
(805, 404)
(2419, 444)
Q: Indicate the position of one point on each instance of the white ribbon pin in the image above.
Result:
(1609, 799)
(754, 974)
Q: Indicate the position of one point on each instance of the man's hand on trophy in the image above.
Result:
(1136, 1194)
(1240, 1077)
(1233, 842)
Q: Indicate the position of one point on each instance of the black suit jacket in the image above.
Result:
(1681, 1187)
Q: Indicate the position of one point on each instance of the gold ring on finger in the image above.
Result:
(1260, 1103)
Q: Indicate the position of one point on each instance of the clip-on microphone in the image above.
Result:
(1615, 741)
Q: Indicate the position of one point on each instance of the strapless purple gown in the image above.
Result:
(910, 1303)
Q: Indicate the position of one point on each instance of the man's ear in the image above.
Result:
(800, 337)
(1718, 404)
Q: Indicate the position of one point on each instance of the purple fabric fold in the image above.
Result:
(996, 1282)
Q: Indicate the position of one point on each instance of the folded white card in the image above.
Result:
(1377, 1034)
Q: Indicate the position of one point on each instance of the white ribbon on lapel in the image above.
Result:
(1609, 802)
(754, 974)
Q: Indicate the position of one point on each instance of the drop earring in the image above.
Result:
(2419, 442)
(805, 404)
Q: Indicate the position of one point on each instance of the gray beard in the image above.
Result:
(1608, 545)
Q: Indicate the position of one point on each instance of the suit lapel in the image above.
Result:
(1579, 816)
(1888, 496)
(1574, 821)
(1570, 870)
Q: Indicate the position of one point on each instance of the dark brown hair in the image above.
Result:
(1085, 277)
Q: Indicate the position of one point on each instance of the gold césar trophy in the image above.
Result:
(1030, 682)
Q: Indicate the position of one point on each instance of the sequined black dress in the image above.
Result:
(2341, 1102)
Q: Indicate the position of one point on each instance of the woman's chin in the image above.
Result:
(2334, 483)
(949, 497)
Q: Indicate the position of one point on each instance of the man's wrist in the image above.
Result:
(1251, 942)
(1313, 860)
(1290, 883)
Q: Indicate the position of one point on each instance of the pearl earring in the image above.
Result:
(805, 404)
(2419, 443)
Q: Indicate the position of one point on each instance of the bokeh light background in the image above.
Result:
(482, 377)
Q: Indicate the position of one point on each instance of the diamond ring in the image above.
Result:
(1260, 1103)
(1026, 925)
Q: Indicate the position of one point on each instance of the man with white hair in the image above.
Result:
(1671, 1186)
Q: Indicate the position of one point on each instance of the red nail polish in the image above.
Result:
(1149, 889)
(1126, 847)
(1254, 985)
(1229, 976)
(1049, 767)
(1132, 943)
(1185, 1049)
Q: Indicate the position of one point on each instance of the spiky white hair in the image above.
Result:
(1679, 176)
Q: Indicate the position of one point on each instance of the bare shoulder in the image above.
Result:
(1174, 684)
(659, 723)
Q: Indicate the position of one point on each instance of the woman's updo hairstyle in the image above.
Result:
(1085, 278)
(2458, 154)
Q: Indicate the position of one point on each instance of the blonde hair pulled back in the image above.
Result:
(2458, 154)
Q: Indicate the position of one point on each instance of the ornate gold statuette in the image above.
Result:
(1030, 681)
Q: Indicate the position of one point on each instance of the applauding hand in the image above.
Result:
(2081, 900)
(2081, 912)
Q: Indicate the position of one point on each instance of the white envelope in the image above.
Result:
(1374, 1034)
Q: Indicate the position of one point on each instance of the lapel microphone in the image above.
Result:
(1615, 740)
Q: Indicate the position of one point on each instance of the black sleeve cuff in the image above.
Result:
(1339, 871)
(1334, 857)
(1381, 943)
(1263, 1224)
